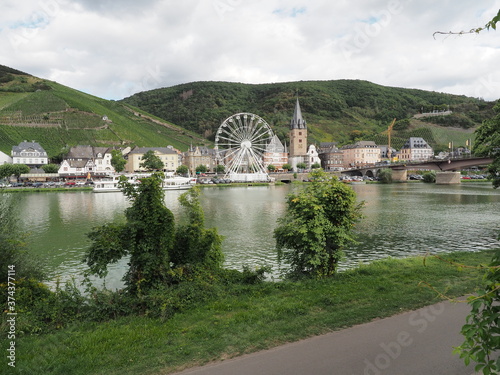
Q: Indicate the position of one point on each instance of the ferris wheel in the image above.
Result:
(240, 143)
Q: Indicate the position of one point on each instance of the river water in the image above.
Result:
(399, 220)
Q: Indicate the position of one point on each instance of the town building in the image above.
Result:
(275, 154)
(199, 155)
(29, 153)
(5, 159)
(361, 154)
(312, 156)
(82, 161)
(168, 155)
(416, 149)
(332, 158)
(298, 138)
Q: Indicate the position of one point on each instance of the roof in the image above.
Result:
(86, 152)
(297, 121)
(275, 145)
(416, 142)
(361, 144)
(161, 150)
(27, 145)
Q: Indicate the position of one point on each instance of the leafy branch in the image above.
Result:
(492, 24)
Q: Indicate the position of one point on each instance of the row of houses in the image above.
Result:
(96, 161)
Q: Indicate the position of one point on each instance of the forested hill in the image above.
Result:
(340, 110)
(59, 117)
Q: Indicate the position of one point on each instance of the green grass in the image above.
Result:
(246, 319)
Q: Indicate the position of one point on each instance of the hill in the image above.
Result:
(59, 117)
(336, 111)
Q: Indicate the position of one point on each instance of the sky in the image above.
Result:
(115, 48)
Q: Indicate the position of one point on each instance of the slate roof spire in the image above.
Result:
(297, 121)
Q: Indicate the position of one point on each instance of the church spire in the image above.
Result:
(297, 121)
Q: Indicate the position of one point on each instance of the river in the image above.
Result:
(399, 220)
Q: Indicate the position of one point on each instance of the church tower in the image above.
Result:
(298, 133)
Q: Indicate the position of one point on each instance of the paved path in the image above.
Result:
(414, 343)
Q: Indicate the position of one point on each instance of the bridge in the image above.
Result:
(449, 168)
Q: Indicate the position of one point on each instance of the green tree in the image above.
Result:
(182, 170)
(147, 237)
(482, 328)
(271, 168)
(316, 166)
(301, 166)
(6, 170)
(196, 245)
(287, 167)
(385, 176)
(50, 168)
(317, 226)
(13, 248)
(220, 168)
(488, 144)
(429, 177)
(151, 161)
(19, 169)
(117, 161)
(201, 168)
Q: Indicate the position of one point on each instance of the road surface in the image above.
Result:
(412, 343)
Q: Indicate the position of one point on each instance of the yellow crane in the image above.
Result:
(389, 131)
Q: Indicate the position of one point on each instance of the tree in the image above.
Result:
(287, 167)
(488, 144)
(50, 168)
(6, 170)
(151, 162)
(317, 226)
(482, 327)
(316, 166)
(13, 248)
(182, 170)
(429, 177)
(201, 168)
(19, 169)
(117, 161)
(492, 24)
(195, 245)
(271, 168)
(385, 175)
(301, 166)
(220, 168)
(147, 237)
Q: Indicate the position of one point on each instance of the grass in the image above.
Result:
(247, 318)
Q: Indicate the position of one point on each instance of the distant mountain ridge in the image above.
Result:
(340, 111)
(59, 117)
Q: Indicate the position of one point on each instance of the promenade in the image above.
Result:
(417, 342)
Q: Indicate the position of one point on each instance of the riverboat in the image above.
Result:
(169, 182)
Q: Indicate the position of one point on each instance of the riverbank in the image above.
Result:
(247, 318)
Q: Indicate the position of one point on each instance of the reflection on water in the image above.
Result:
(399, 220)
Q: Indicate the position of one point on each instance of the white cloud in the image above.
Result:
(113, 49)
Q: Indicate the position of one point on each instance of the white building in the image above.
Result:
(83, 160)
(416, 149)
(29, 153)
(312, 156)
(5, 159)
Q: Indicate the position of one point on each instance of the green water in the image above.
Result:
(400, 220)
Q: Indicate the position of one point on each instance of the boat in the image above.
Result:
(169, 182)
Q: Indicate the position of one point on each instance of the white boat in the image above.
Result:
(170, 182)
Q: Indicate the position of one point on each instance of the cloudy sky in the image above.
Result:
(115, 48)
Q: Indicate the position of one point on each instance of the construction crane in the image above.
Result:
(389, 131)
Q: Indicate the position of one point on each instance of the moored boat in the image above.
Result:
(169, 182)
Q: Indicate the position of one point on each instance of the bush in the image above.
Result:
(385, 176)
(429, 177)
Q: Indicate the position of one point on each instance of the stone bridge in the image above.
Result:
(452, 167)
